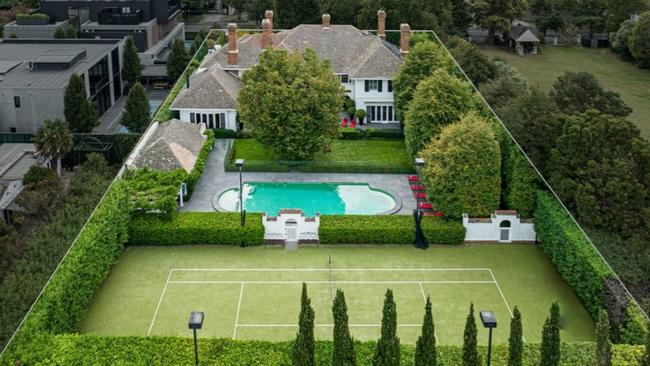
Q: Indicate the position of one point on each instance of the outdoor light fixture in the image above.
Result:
(489, 321)
(419, 162)
(239, 163)
(195, 322)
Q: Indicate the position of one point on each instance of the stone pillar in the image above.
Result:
(326, 21)
(266, 33)
(405, 36)
(381, 24)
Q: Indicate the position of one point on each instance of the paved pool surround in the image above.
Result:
(216, 180)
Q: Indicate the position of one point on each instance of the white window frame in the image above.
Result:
(373, 85)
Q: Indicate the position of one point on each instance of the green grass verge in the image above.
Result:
(615, 74)
(347, 156)
(126, 303)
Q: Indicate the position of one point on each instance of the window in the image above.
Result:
(344, 78)
(373, 85)
(12, 130)
(211, 123)
(192, 117)
(126, 10)
(390, 86)
(17, 102)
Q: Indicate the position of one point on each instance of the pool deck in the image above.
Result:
(215, 180)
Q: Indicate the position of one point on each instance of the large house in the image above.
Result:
(364, 63)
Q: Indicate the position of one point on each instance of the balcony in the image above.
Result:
(173, 6)
(117, 16)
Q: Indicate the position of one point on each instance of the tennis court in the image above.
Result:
(254, 293)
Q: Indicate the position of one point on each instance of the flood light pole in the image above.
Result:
(239, 163)
(196, 322)
(489, 321)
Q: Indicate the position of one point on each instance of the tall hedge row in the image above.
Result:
(199, 166)
(440, 231)
(183, 228)
(72, 349)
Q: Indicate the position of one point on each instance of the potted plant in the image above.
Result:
(360, 114)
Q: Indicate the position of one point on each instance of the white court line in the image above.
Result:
(319, 325)
(241, 294)
(325, 269)
(328, 282)
(424, 297)
(159, 302)
(504, 299)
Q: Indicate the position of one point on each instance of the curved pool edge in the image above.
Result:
(396, 208)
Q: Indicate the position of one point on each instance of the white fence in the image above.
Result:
(503, 226)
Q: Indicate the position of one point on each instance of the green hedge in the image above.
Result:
(440, 231)
(358, 229)
(574, 257)
(33, 16)
(199, 166)
(185, 228)
(157, 351)
(348, 133)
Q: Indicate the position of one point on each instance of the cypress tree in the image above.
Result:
(177, 60)
(425, 348)
(603, 343)
(516, 341)
(303, 348)
(136, 112)
(196, 43)
(387, 350)
(343, 353)
(550, 347)
(59, 33)
(79, 112)
(470, 352)
(646, 357)
(132, 69)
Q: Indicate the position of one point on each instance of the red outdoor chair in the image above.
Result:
(344, 122)
(428, 213)
(419, 195)
(438, 214)
(413, 178)
(353, 123)
(425, 205)
(417, 187)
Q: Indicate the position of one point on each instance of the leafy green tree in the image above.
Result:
(550, 347)
(79, 112)
(304, 345)
(474, 63)
(646, 356)
(470, 351)
(71, 32)
(291, 13)
(422, 14)
(37, 174)
(136, 112)
(177, 60)
(343, 353)
(618, 11)
(497, 15)
(621, 39)
(132, 69)
(603, 343)
(439, 100)
(59, 33)
(506, 86)
(196, 43)
(640, 41)
(256, 8)
(519, 185)
(366, 16)
(575, 92)
(599, 168)
(516, 340)
(425, 348)
(387, 352)
(461, 18)
(462, 170)
(53, 140)
(291, 103)
(342, 12)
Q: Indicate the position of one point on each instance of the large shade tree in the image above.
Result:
(177, 60)
(136, 115)
(476, 65)
(132, 69)
(462, 171)
(575, 92)
(497, 15)
(639, 43)
(53, 140)
(290, 13)
(291, 103)
(439, 100)
(79, 112)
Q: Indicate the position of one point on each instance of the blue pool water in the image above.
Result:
(324, 198)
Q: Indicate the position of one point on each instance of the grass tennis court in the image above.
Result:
(253, 293)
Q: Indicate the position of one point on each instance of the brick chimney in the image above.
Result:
(233, 52)
(269, 15)
(266, 33)
(326, 21)
(405, 35)
(381, 24)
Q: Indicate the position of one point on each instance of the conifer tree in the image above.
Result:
(516, 341)
(177, 60)
(603, 345)
(136, 112)
(79, 112)
(343, 353)
(550, 347)
(425, 348)
(303, 347)
(196, 43)
(387, 351)
(470, 351)
(132, 69)
(59, 33)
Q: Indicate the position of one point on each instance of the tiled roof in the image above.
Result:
(211, 88)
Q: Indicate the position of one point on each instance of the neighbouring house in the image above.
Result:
(365, 64)
(34, 74)
(15, 161)
(503, 226)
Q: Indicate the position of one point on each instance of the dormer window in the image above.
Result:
(344, 78)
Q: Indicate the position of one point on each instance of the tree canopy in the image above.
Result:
(290, 13)
(497, 15)
(177, 60)
(132, 69)
(639, 42)
(576, 92)
(54, 140)
(476, 65)
(80, 113)
(291, 103)
(136, 115)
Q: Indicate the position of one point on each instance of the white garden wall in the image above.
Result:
(504, 226)
(290, 226)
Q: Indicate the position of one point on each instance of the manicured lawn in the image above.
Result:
(362, 156)
(253, 293)
(617, 75)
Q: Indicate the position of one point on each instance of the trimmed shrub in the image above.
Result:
(185, 228)
(223, 133)
(360, 114)
(358, 229)
(382, 133)
(634, 329)
(201, 159)
(37, 174)
(440, 231)
(350, 134)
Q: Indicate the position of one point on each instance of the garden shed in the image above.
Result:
(523, 40)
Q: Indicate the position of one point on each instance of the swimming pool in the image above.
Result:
(324, 198)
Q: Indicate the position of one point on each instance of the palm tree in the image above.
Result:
(53, 141)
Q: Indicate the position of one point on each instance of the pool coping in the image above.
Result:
(396, 208)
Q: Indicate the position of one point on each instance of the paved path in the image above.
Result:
(215, 180)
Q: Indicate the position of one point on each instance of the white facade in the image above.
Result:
(211, 118)
(375, 96)
(290, 227)
(502, 226)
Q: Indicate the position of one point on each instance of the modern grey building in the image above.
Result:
(35, 73)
